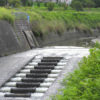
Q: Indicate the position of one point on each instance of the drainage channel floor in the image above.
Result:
(34, 79)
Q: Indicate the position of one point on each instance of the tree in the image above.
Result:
(30, 3)
(14, 3)
(24, 2)
(97, 2)
(57, 1)
(77, 5)
(64, 5)
(2, 2)
(38, 3)
(89, 3)
(50, 6)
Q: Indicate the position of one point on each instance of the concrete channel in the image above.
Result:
(38, 77)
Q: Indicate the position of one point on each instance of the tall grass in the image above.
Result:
(5, 14)
(45, 26)
(81, 21)
(58, 20)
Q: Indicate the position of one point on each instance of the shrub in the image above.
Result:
(8, 18)
(38, 4)
(46, 27)
(77, 5)
(45, 4)
(98, 26)
(64, 5)
(89, 3)
(97, 3)
(50, 6)
(83, 83)
(2, 2)
(5, 14)
(83, 28)
(36, 29)
(59, 26)
(97, 45)
(30, 3)
(24, 2)
(15, 3)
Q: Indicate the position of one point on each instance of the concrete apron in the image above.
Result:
(12, 64)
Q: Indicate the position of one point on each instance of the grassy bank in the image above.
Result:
(83, 83)
(66, 20)
(58, 20)
(5, 14)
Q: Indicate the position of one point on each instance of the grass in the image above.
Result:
(58, 20)
(5, 14)
(45, 27)
(84, 21)
(92, 9)
(83, 83)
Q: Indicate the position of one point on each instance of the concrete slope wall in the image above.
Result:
(9, 40)
(66, 38)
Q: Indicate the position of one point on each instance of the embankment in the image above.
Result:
(12, 42)
(72, 37)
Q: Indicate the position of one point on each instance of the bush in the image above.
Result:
(45, 4)
(83, 28)
(98, 26)
(30, 3)
(24, 2)
(46, 27)
(15, 3)
(77, 5)
(38, 4)
(50, 6)
(89, 3)
(97, 2)
(83, 83)
(5, 14)
(2, 2)
(64, 5)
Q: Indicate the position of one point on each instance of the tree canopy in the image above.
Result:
(88, 3)
(16, 3)
(82, 3)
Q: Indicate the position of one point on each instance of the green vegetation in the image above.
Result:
(58, 20)
(14, 3)
(54, 17)
(3, 2)
(65, 20)
(5, 14)
(87, 3)
(50, 6)
(77, 5)
(83, 83)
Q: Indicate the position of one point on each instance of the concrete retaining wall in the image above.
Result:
(10, 42)
(66, 38)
